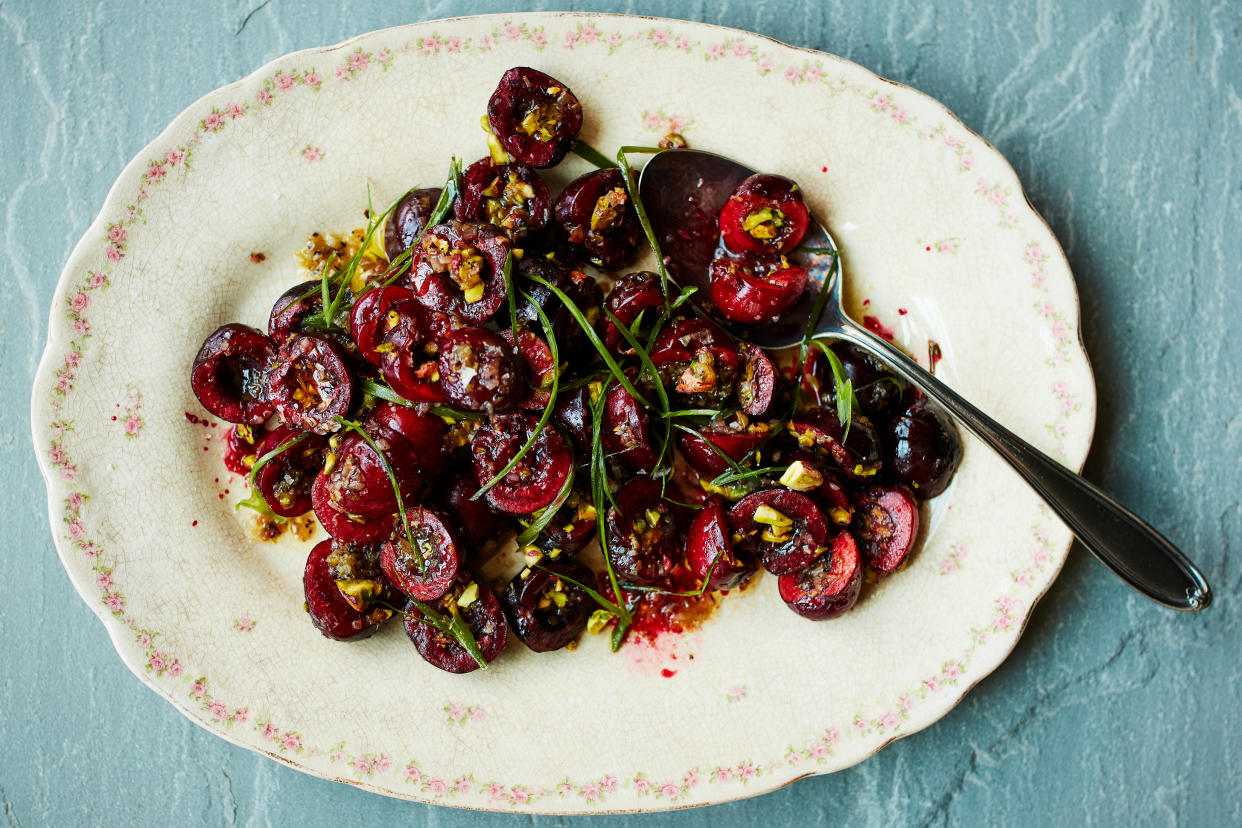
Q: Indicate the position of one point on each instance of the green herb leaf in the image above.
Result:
(589, 330)
(453, 625)
(531, 532)
(396, 489)
(694, 593)
(847, 403)
(256, 500)
(631, 186)
(715, 448)
(590, 154)
(595, 594)
(547, 409)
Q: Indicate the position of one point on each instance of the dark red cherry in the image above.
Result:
(239, 448)
(709, 548)
(642, 537)
(293, 306)
(596, 220)
(697, 361)
(751, 288)
(331, 614)
(756, 387)
(310, 383)
(886, 524)
(924, 450)
(829, 586)
(545, 611)
(879, 392)
(430, 573)
(734, 438)
(573, 415)
(535, 117)
(408, 219)
(626, 431)
(355, 568)
(378, 312)
(477, 604)
(537, 478)
(764, 214)
(345, 526)
(229, 374)
(412, 441)
(572, 529)
(458, 268)
(631, 295)
(856, 452)
(510, 196)
(783, 528)
(286, 479)
(476, 523)
(479, 371)
(582, 290)
(408, 350)
(536, 358)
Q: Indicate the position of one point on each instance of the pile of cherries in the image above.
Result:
(444, 384)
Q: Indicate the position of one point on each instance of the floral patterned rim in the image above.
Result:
(107, 243)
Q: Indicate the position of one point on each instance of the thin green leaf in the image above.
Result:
(531, 532)
(631, 186)
(396, 488)
(694, 593)
(454, 626)
(590, 154)
(715, 448)
(547, 409)
(726, 478)
(595, 594)
(847, 403)
(255, 499)
(589, 330)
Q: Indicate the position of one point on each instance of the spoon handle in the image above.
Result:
(1122, 541)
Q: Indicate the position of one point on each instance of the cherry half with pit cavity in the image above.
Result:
(829, 586)
(536, 479)
(764, 214)
(785, 529)
(477, 604)
(545, 610)
(752, 288)
(427, 570)
(597, 221)
(230, 373)
(510, 196)
(886, 524)
(285, 480)
(331, 614)
(535, 117)
(458, 268)
(641, 541)
(310, 383)
(479, 371)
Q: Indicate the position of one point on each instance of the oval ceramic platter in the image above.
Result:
(939, 242)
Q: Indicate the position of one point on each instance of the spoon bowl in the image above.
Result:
(683, 191)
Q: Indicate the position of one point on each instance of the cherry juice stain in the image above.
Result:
(874, 325)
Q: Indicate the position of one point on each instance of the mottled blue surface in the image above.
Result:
(1124, 121)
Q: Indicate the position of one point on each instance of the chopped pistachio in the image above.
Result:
(801, 477)
(765, 514)
(653, 517)
(468, 595)
(532, 555)
(329, 462)
(776, 535)
(598, 620)
(558, 598)
(839, 516)
(473, 294)
(864, 471)
(763, 224)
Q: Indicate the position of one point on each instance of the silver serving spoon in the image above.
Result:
(683, 191)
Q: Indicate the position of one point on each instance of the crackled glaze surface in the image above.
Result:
(938, 241)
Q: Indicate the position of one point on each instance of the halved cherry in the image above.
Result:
(229, 374)
(642, 535)
(310, 383)
(580, 287)
(478, 524)
(595, 218)
(359, 578)
(439, 550)
(764, 214)
(330, 612)
(479, 371)
(458, 268)
(734, 438)
(829, 585)
(412, 441)
(572, 529)
(626, 431)
(545, 611)
(924, 450)
(536, 357)
(573, 415)
(476, 603)
(751, 288)
(631, 295)
(537, 478)
(756, 387)
(408, 351)
(510, 196)
(697, 361)
(408, 219)
(345, 526)
(376, 313)
(783, 528)
(239, 448)
(286, 479)
(879, 391)
(294, 305)
(535, 117)
(886, 523)
(811, 474)
(710, 549)
(857, 452)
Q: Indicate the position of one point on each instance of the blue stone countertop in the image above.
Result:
(1124, 122)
